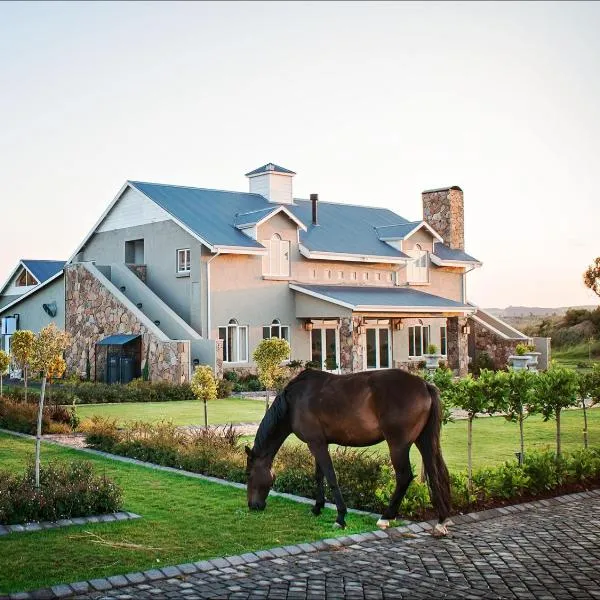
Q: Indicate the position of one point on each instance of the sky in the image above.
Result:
(369, 103)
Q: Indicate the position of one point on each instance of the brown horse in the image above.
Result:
(360, 409)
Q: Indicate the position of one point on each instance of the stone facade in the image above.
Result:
(140, 270)
(93, 313)
(458, 346)
(444, 210)
(499, 349)
(352, 345)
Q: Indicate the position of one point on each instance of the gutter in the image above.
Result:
(208, 303)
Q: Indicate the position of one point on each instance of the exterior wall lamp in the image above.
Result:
(308, 326)
(466, 329)
(399, 325)
(361, 329)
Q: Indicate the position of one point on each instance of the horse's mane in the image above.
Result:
(273, 417)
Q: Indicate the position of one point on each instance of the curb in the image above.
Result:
(152, 575)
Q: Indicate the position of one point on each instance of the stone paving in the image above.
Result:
(540, 550)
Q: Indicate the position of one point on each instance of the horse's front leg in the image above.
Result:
(321, 453)
(320, 495)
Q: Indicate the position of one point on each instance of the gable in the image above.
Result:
(131, 209)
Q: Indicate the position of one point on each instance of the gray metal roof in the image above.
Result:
(392, 297)
(270, 168)
(252, 217)
(446, 253)
(118, 340)
(396, 232)
(42, 270)
(443, 189)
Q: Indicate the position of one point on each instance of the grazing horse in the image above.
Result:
(359, 409)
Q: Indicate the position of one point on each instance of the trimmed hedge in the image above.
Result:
(366, 479)
(67, 490)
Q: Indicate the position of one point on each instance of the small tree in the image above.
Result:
(21, 343)
(591, 277)
(204, 387)
(4, 364)
(268, 356)
(46, 357)
(520, 400)
(556, 388)
(589, 390)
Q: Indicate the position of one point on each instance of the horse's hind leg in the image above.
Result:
(321, 453)
(399, 453)
(320, 495)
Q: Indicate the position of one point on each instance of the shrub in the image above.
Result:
(22, 417)
(483, 361)
(224, 388)
(67, 490)
(232, 376)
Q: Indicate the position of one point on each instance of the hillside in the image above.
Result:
(534, 311)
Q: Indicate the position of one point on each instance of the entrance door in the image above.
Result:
(325, 348)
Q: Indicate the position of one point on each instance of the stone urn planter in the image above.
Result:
(533, 360)
(518, 362)
(432, 358)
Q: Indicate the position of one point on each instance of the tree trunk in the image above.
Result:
(585, 428)
(266, 401)
(522, 438)
(205, 414)
(38, 439)
(557, 433)
(469, 453)
(1, 390)
(25, 378)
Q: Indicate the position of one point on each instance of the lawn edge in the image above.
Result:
(410, 530)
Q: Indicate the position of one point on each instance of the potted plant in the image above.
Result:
(520, 359)
(533, 357)
(432, 358)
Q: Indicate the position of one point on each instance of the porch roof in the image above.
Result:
(383, 299)
(119, 339)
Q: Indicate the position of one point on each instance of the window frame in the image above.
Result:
(236, 333)
(444, 340)
(276, 324)
(417, 273)
(188, 262)
(424, 340)
(276, 248)
(378, 364)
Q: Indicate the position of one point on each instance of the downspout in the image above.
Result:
(464, 283)
(208, 303)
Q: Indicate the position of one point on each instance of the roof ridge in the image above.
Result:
(191, 187)
(41, 260)
(397, 224)
(352, 204)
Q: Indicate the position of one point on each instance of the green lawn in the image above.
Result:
(183, 520)
(229, 410)
(572, 356)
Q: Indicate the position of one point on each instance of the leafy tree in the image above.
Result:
(268, 356)
(4, 364)
(46, 358)
(589, 391)
(591, 277)
(520, 399)
(556, 389)
(204, 387)
(21, 343)
(443, 379)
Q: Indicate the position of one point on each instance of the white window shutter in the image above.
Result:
(284, 260)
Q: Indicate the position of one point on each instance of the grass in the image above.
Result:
(571, 356)
(184, 520)
(228, 410)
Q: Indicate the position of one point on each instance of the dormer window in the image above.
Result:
(417, 268)
(277, 261)
(25, 279)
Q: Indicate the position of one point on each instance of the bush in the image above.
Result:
(67, 490)
(483, 361)
(224, 388)
(22, 417)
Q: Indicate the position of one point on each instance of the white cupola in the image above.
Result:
(273, 182)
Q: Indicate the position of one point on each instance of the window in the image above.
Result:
(276, 330)
(313, 273)
(134, 252)
(378, 348)
(366, 275)
(235, 342)
(418, 339)
(25, 278)
(443, 340)
(324, 346)
(390, 277)
(417, 271)
(277, 261)
(340, 274)
(378, 276)
(183, 260)
(354, 275)
(327, 274)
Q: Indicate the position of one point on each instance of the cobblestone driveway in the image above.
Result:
(544, 551)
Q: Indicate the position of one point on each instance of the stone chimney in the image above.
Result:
(273, 182)
(444, 210)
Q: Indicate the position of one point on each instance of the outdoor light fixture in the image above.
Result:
(399, 325)
(466, 330)
(308, 326)
(361, 329)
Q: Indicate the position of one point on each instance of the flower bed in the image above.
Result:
(366, 479)
(67, 490)
(22, 417)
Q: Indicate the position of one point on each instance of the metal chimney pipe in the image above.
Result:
(314, 199)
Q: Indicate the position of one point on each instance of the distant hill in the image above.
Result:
(535, 311)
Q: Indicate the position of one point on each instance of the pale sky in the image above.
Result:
(369, 103)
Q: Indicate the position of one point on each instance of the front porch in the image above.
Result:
(356, 329)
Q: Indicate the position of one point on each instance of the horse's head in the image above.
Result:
(260, 479)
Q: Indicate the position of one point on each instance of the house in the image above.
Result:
(172, 276)
(23, 304)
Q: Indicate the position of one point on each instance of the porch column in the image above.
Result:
(351, 345)
(458, 345)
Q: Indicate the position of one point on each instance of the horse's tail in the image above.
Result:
(428, 443)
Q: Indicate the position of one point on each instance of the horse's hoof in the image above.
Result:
(315, 511)
(383, 523)
(440, 530)
(337, 525)
(448, 522)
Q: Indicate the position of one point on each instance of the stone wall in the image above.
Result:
(499, 349)
(92, 313)
(352, 345)
(444, 211)
(140, 270)
(458, 345)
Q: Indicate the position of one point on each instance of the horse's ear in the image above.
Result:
(249, 451)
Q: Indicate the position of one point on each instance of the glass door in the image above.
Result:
(325, 348)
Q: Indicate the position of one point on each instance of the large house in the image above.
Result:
(173, 276)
